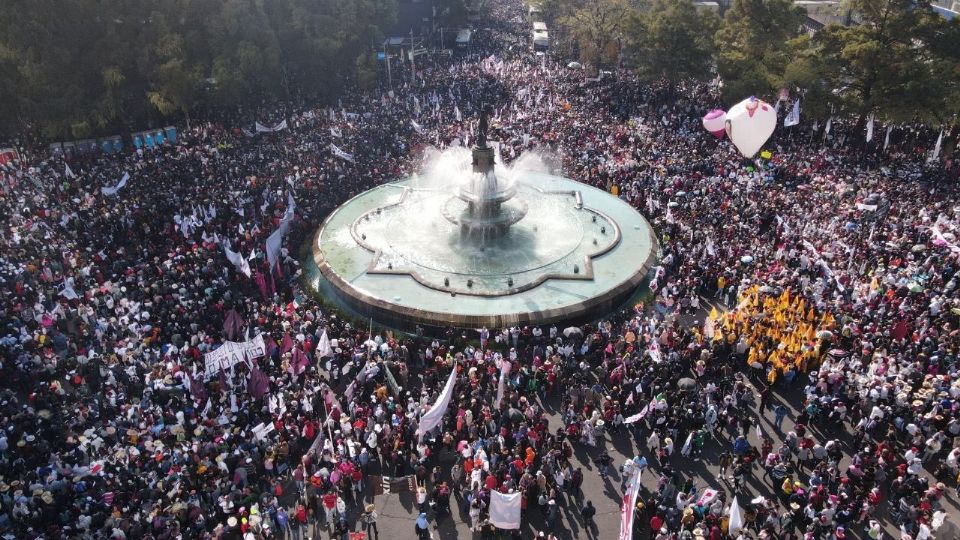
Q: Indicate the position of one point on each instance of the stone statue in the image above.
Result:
(483, 127)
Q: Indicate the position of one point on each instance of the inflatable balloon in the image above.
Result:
(749, 124)
(715, 122)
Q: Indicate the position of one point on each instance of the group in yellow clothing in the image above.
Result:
(780, 331)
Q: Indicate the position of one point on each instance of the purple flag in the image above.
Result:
(261, 282)
(286, 344)
(271, 346)
(232, 324)
(197, 390)
(258, 384)
(299, 362)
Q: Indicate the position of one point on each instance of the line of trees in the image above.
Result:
(73, 68)
(899, 60)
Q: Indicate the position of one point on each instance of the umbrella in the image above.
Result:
(915, 287)
(687, 383)
(825, 334)
(746, 259)
(575, 65)
(673, 204)
(766, 289)
(837, 353)
(569, 331)
(917, 248)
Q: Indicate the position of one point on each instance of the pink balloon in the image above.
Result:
(715, 123)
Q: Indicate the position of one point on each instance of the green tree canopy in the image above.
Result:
(74, 68)
(672, 40)
(899, 62)
(754, 45)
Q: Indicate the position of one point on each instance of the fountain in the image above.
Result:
(485, 217)
(521, 247)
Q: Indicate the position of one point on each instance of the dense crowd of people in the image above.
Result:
(112, 428)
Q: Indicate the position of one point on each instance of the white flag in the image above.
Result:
(275, 240)
(323, 346)
(242, 264)
(501, 385)
(870, 128)
(456, 111)
(936, 148)
(113, 191)
(793, 118)
(335, 132)
(826, 130)
(67, 171)
(417, 127)
(434, 416)
(736, 517)
(505, 510)
(886, 138)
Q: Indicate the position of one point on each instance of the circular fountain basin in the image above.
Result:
(573, 252)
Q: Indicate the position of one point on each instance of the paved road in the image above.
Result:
(397, 511)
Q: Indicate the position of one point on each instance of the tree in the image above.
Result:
(77, 68)
(899, 62)
(754, 45)
(596, 26)
(673, 40)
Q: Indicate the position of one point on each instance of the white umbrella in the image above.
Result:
(575, 65)
(571, 330)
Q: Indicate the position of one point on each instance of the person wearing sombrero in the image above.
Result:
(369, 521)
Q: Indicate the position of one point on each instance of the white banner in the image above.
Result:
(232, 353)
(505, 510)
(434, 416)
(113, 191)
(341, 154)
(628, 506)
(264, 129)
